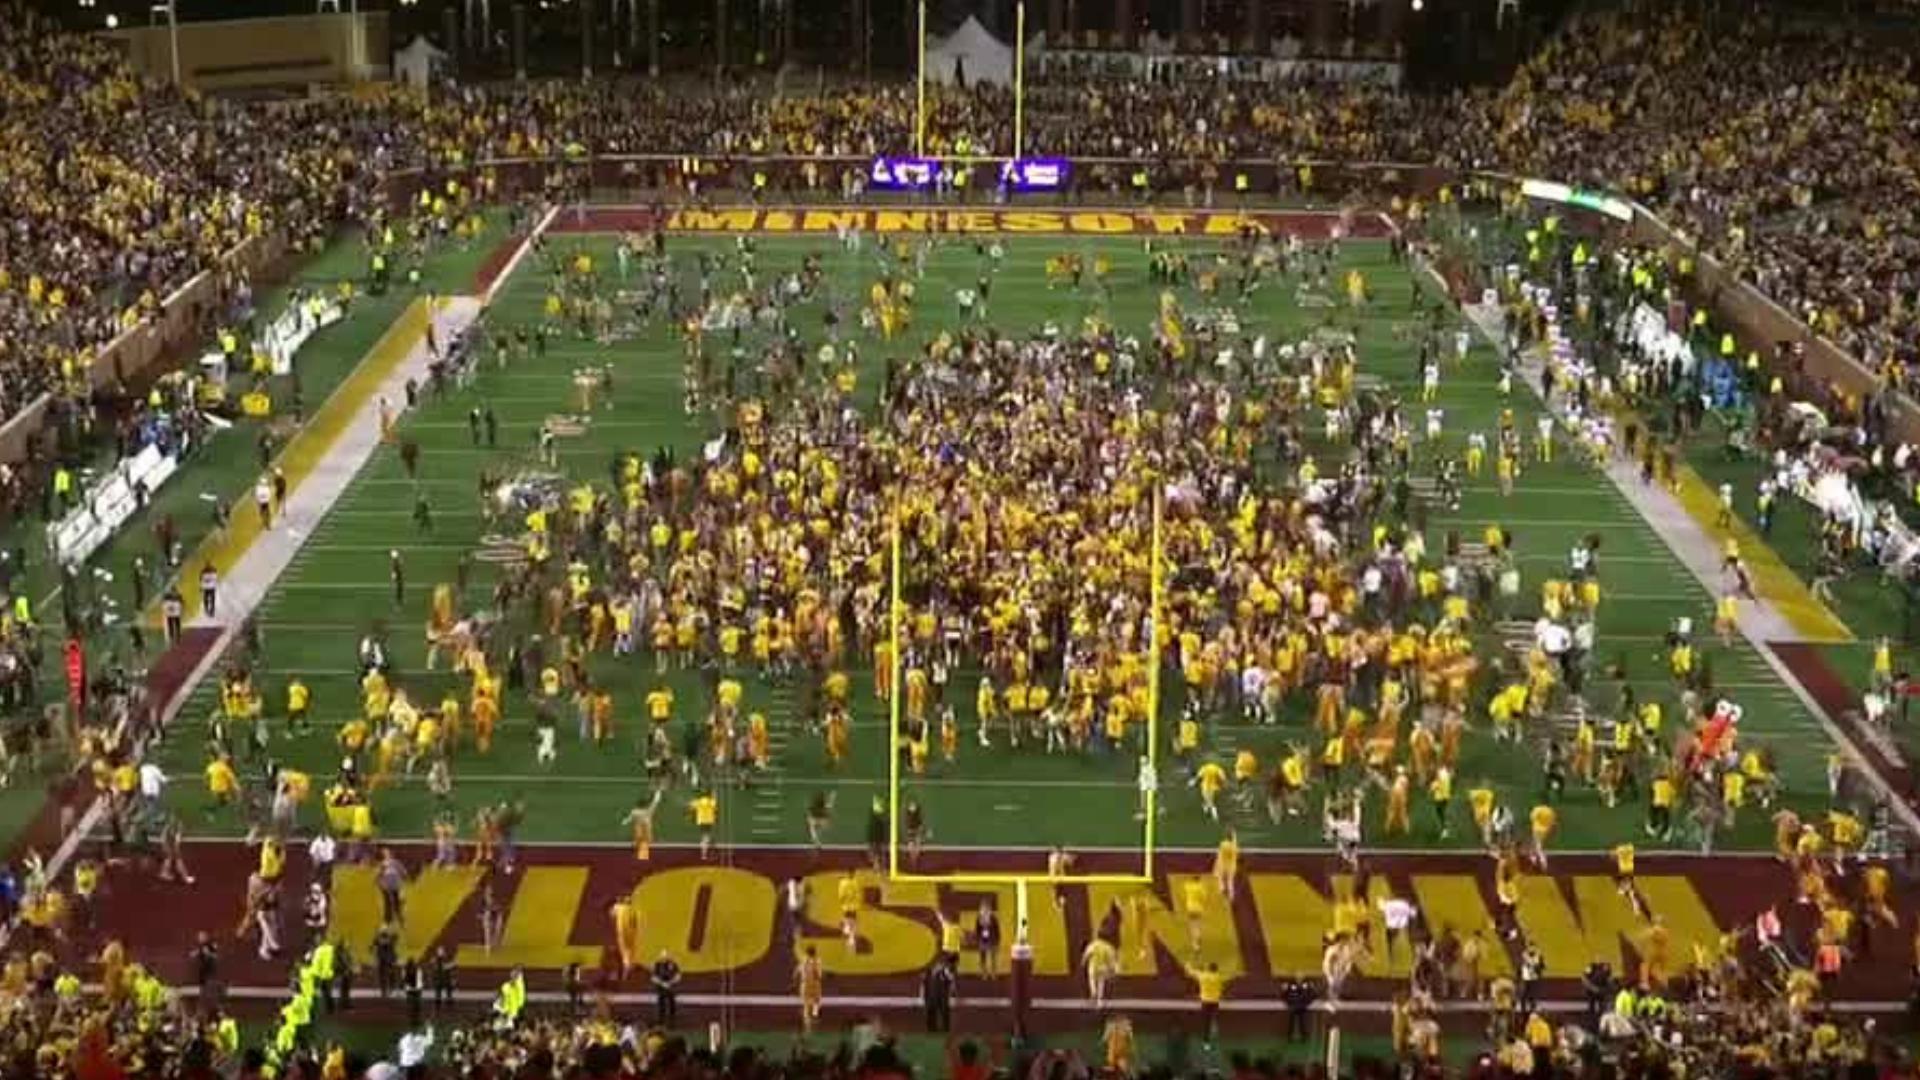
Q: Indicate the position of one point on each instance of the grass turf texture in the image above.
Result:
(994, 799)
(225, 469)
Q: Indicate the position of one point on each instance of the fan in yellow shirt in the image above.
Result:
(1210, 778)
(705, 808)
(1226, 864)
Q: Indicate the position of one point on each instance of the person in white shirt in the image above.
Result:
(1253, 692)
(1149, 783)
(414, 1046)
(796, 896)
(1396, 914)
(152, 782)
(320, 853)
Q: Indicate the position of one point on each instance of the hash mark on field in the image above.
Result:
(1007, 807)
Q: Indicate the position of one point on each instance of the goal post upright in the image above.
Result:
(1019, 79)
(1151, 803)
(894, 603)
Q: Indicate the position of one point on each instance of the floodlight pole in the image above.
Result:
(173, 33)
(626, 13)
(1019, 79)
(479, 19)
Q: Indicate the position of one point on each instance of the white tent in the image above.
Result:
(970, 54)
(415, 64)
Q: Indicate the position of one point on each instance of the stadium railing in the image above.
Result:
(177, 325)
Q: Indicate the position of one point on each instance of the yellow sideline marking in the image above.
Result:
(1774, 580)
(310, 444)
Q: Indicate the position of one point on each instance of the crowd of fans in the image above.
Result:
(1788, 149)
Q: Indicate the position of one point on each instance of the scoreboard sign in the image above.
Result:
(1035, 174)
(920, 174)
(903, 174)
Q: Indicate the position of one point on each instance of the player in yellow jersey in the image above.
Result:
(849, 894)
(639, 821)
(705, 808)
(1542, 820)
(1210, 778)
(809, 977)
(1193, 904)
(1226, 864)
(1102, 962)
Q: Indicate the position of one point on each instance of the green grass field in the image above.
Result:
(992, 799)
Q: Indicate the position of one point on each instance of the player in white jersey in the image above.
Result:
(1430, 381)
(1253, 694)
(1149, 783)
(1435, 418)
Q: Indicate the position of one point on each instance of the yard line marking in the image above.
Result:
(845, 781)
(1181, 1003)
(426, 844)
(1570, 523)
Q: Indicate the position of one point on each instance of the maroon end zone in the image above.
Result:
(726, 924)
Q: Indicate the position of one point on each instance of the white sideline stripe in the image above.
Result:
(90, 820)
(837, 781)
(513, 263)
(1840, 737)
(965, 1001)
(1412, 854)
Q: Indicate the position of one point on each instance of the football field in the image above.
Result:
(999, 799)
(990, 809)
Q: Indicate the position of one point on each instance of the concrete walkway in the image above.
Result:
(1699, 552)
(1760, 621)
(246, 583)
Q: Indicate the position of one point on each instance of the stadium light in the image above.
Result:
(113, 21)
(1419, 4)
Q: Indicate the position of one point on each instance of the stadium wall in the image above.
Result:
(287, 53)
(178, 326)
(1760, 322)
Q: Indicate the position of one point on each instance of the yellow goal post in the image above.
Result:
(895, 614)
